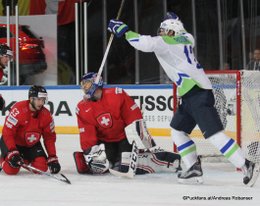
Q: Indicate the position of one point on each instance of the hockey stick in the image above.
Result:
(30, 168)
(108, 45)
(133, 157)
(132, 165)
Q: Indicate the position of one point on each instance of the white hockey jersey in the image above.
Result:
(176, 56)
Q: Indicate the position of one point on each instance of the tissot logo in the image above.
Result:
(161, 103)
(64, 108)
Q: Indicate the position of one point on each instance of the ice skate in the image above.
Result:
(251, 172)
(193, 175)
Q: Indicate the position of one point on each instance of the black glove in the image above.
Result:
(2, 102)
(14, 159)
(53, 164)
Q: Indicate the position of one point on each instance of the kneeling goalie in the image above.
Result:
(110, 125)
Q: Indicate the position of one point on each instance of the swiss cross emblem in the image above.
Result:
(105, 120)
(32, 138)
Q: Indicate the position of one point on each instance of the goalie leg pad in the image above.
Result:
(149, 162)
(81, 164)
(167, 159)
(95, 163)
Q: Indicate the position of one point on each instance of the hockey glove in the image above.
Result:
(2, 102)
(53, 164)
(118, 28)
(14, 159)
(96, 159)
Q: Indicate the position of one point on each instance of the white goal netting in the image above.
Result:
(250, 114)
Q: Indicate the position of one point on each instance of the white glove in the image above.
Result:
(97, 159)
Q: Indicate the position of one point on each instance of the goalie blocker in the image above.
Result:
(138, 133)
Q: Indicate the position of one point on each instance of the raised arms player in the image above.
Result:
(173, 48)
(108, 119)
(28, 122)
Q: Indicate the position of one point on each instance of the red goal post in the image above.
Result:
(237, 95)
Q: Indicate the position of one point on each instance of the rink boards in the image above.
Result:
(158, 101)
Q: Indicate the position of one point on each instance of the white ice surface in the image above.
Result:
(220, 180)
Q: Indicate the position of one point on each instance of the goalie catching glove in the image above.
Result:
(92, 161)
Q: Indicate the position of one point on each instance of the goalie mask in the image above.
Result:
(89, 86)
(38, 92)
(171, 25)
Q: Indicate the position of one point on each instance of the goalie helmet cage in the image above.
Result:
(237, 99)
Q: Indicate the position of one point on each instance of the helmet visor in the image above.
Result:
(86, 85)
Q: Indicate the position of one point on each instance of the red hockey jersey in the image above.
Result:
(1, 73)
(23, 129)
(106, 118)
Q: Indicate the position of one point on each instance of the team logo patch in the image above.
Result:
(105, 120)
(32, 138)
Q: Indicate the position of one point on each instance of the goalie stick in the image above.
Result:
(30, 168)
(132, 166)
(133, 158)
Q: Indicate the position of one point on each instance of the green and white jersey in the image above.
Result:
(176, 56)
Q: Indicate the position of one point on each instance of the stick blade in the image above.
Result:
(65, 179)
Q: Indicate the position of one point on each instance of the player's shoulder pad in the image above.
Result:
(16, 112)
(83, 104)
(18, 108)
(46, 113)
(181, 39)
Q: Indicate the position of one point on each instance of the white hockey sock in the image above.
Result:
(186, 147)
(229, 148)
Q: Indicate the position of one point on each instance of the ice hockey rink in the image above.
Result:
(222, 186)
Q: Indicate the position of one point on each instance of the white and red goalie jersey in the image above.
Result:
(105, 120)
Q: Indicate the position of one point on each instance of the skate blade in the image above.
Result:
(193, 180)
(255, 175)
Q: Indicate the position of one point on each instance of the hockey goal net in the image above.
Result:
(237, 95)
